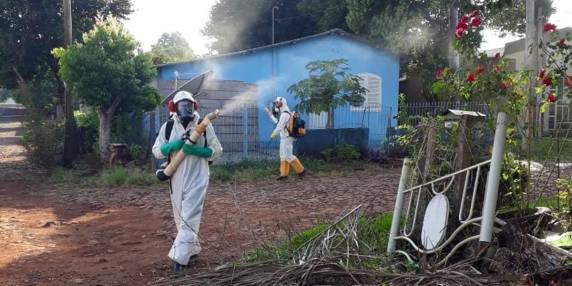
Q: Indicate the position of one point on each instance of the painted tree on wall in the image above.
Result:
(328, 86)
(107, 72)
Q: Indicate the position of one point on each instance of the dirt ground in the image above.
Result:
(65, 235)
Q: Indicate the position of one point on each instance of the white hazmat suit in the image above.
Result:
(287, 157)
(188, 187)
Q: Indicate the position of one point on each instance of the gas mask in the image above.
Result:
(276, 105)
(186, 111)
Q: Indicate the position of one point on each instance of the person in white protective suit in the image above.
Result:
(189, 183)
(281, 116)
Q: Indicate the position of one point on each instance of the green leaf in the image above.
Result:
(543, 107)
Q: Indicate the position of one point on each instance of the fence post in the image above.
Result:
(492, 188)
(245, 132)
(398, 205)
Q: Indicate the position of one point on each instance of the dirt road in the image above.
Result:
(66, 235)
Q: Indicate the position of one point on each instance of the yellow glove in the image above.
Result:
(273, 135)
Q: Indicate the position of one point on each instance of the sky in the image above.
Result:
(152, 18)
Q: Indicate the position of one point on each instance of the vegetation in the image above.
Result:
(170, 48)
(373, 231)
(342, 152)
(262, 169)
(109, 75)
(329, 85)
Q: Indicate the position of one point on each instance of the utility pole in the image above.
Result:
(452, 55)
(70, 138)
(531, 65)
(274, 8)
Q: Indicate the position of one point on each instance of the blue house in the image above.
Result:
(254, 77)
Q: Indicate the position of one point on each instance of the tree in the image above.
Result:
(29, 30)
(328, 86)
(238, 24)
(171, 48)
(107, 72)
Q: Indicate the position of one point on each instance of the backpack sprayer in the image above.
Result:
(178, 156)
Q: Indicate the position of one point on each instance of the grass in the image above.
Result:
(565, 240)
(373, 231)
(244, 171)
(258, 170)
(113, 177)
(545, 149)
(120, 176)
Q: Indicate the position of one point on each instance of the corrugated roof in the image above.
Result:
(339, 32)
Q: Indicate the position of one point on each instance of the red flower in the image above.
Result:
(504, 85)
(551, 97)
(547, 81)
(568, 81)
(562, 42)
(475, 22)
(439, 73)
(549, 27)
(459, 33)
(480, 69)
(497, 56)
(471, 78)
(464, 19)
(475, 13)
(541, 74)
(462, 25)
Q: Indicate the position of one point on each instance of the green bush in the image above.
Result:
(342, 152)
(44, 141)
(137, 153)
(514, 178)
(87, 124)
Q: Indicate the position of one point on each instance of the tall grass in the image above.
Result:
(374, 231)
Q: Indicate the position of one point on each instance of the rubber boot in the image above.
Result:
(298, 167)
(284, 170)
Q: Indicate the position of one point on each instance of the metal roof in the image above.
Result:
(339, 32)
(457, 112)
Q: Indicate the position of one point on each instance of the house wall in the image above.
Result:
(287, 64)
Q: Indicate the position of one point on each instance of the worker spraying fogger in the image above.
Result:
(289, 126)
(190, 144)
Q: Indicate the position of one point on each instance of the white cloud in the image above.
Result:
(152, 18)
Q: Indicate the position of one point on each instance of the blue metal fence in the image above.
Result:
(239, 134)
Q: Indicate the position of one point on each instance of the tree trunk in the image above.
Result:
(330, 123)
(104, 134)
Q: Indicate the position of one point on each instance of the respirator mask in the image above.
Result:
(186, 111)
(276, 105)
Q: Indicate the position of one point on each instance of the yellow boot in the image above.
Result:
(298, 167)
(284, 170)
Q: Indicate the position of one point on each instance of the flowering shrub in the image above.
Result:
(480, 78)
(468, 34)
(558, 53)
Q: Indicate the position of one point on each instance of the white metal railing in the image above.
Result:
(441, 186)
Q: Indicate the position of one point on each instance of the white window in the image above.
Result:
(372, 83)
(318, 121)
